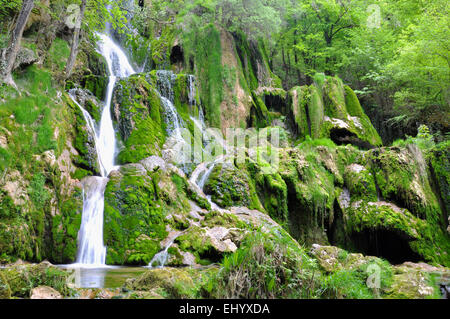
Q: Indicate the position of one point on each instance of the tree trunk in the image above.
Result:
(75, 41)
(14, 45)
(299, 78)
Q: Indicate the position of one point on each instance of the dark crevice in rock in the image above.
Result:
(342, 136)
(191, 63)
(308, 118)
(336, 232)
(275, 103)
(177, 55)
(385, 244)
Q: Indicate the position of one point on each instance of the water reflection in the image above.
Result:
(103, 277)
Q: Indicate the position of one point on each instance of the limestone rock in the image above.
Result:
(24, 58)
(44, 292)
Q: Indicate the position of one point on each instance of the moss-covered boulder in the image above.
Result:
(330, 109)
(5, 291)
(357, 275)
(22, 278)
(228, 186)
(417, 281)
(137, 112)
(360, 182)
(84, 140)
(169, 282)
(143, 201)
(133, 216)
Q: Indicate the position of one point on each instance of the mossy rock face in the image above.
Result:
(297, 99)
(272, 192)
(96, 84)
(5, 291)
(16, 239)
(417, 281)
(228, 186)
(360, 182)
(143, 201)
(310, 194)
(439, 159)
(402, 177)
(65, 227)
(84, 141)
(333, 259)
(329, 109)
(137, 113)
(21, 279)
(386, 230)
(133, 217)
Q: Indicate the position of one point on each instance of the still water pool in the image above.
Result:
(101, 277)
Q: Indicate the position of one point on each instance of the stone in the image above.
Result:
(44, 292)
(24, 58)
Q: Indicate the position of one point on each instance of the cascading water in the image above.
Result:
(160, 259)
(91, 251)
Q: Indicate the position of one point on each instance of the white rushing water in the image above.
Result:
(91, 250)
(160, 259)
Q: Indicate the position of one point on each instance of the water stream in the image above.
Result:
(91, 250)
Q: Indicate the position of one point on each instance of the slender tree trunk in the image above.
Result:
(14, 45)
(75, 41)
(299, 78)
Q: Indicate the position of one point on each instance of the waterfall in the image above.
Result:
(91, 251)
(160, 259)
(191, 90)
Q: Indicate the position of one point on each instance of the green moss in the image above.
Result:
(268, 265)
(23, 278)
(203, 45)
(272, 191)
(439, 158)
(196, 242)
(65, 229)
(352, 102)
(134, 219)
(297, 103)
(315, 112)
(228, 186)
(360, 183)
(96, 84)
(215, 218)
(57, 55)
(140, 123)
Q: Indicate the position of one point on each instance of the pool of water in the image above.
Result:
(104, 277)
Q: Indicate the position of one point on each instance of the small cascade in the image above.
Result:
(165, 81)
(192, 90)
(160, 259)
(173, 121)
(205, 176)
